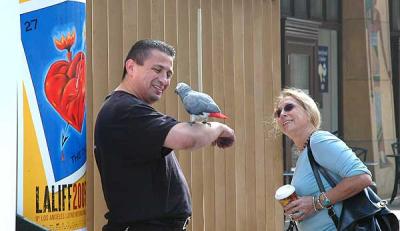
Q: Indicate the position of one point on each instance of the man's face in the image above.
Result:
(153, 77)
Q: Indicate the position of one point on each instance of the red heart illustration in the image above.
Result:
(65, 84)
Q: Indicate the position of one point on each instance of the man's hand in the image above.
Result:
(226, 138)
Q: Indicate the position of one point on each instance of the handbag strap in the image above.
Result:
(316, 168)
(292, 226)
(321, 169)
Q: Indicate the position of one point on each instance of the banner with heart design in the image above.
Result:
(65, 83)
(54, 101)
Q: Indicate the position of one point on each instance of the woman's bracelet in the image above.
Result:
(324, 200)
(318, 202)
(313, 204)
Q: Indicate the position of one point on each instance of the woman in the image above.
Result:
(297, 116)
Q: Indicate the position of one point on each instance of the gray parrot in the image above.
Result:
(199, 105)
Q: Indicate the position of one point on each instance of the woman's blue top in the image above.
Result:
(340, 161)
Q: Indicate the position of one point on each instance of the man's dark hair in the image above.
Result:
(140, 51)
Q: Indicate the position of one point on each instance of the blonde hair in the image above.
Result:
(304, 100)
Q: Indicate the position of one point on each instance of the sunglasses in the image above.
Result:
(287, 108)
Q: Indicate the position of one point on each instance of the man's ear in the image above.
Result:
(130, 66)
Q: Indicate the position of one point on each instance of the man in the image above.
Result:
(143, 184)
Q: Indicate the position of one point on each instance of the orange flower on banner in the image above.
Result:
(65, 42)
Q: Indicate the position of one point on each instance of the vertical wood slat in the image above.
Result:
(232, 189)
(197, 186)
(115, 43)
(276, 178)
(260, 179)
(170, 36)
(183, 75)
(275, 87)
(218, 95)
(268, 96)
(240, 150)
(276, 74)
(100, 89)
(129, 25)
(208, 157)
(157, 19)
(157, 32)
(249, 117)
(144, 19)
(228, 67)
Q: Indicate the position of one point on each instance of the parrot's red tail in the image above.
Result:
(218, 115)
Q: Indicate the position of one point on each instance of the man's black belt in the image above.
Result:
(151, 225)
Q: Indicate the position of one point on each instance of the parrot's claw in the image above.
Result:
(208, 123)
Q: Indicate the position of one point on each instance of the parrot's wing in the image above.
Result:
(197, 103)
(191, 105)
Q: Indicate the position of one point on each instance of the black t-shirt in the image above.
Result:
(141, 179)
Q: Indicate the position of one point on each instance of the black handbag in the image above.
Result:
(363, 211)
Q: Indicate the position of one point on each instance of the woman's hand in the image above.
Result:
(300, 209)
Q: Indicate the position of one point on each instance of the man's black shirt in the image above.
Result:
(141, 179)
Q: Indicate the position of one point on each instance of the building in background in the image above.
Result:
(345, 53)
(311, 52)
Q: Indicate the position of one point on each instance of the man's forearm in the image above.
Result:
(186, 136)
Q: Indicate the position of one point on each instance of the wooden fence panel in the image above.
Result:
(232, 189)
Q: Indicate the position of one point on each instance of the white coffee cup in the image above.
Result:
(286, 194)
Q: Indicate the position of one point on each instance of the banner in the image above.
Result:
(52, 141)
(323, 68)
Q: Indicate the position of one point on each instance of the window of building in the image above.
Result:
(300, 9)
(319, 10)
(332, 10)
(395, 15)
(286, 8)
(316, 9)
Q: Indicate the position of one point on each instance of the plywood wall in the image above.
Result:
(231, 189)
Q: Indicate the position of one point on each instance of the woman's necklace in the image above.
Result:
(299, 150)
